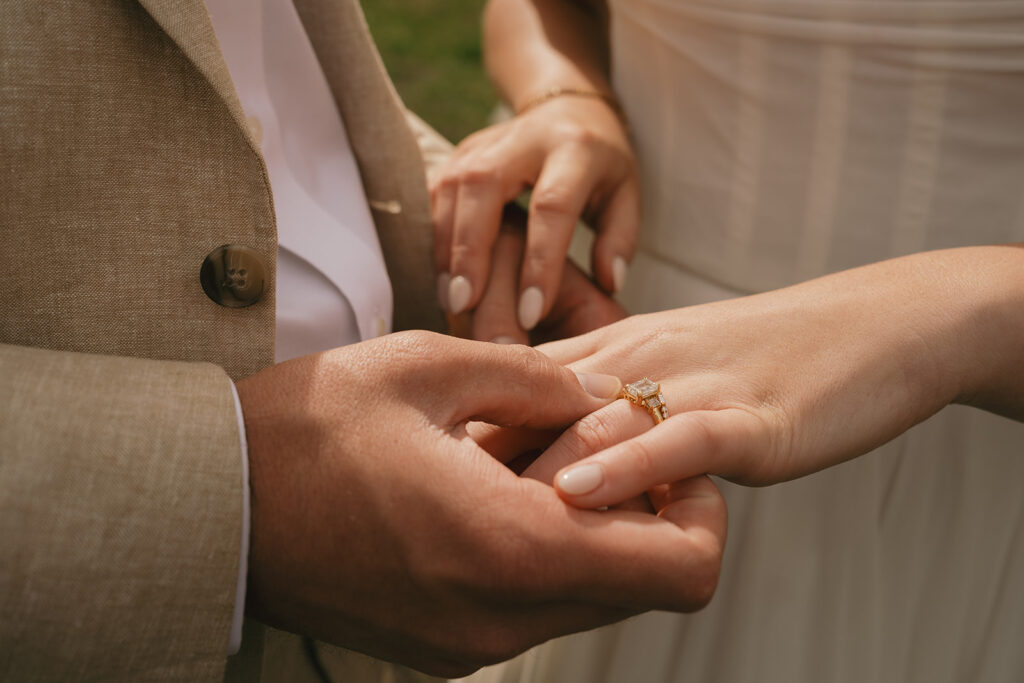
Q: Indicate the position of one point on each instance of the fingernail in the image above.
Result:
(505, 340)
(619, 271)
(531, 302)
(580, 480)
(600, 386)
(459, 291)
(443, 280)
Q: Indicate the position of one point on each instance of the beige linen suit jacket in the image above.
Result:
(125, 160)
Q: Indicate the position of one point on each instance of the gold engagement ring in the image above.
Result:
(647, 395)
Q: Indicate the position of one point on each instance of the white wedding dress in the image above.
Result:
(780, 140)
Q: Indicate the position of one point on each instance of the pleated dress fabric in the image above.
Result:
(780, 141)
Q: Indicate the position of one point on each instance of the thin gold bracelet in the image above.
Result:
(552, 93)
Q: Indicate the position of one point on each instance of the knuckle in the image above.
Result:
(704, 580)
(435, 181)
(412, 351)
(581, 136)
(466, 248)
(414, 342)
(594, 433)
(533, 371)
(478, 175)
(553, 201)
(574, 134)
(531, 362)
(444, 180)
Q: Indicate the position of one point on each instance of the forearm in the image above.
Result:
(531, 46)
(120, 510)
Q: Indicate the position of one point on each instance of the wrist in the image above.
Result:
(536, 99)
(959, 315)
(986, 285)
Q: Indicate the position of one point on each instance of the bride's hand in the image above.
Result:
(579, 305)
(771, 387)
(575, 154)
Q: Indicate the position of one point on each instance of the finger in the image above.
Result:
(565, 183)
(517, 386)
(716, 442)
(616, 236)
(567, 351)
(665, 497)
(442, 209)
(579, 308)
(494, 319)
(506, 444)
(478, 206)
(593, 433)
(639, 561)
(637, 504)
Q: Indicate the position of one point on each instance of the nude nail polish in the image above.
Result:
(598, 385)
(459, 292)
(619, 271)
(581, 479)
(531, 303)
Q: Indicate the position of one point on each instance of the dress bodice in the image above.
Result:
(783, 139)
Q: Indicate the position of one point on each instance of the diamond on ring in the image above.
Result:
(647, 395)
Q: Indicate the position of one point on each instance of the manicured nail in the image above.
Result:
(531, 302)
(443, 280)
(459, 291)
(505, 340)
(600, 386)
(619, 270)
(580, 480)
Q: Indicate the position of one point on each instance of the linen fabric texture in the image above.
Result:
(125, 162)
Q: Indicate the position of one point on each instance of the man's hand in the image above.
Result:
(379, 525)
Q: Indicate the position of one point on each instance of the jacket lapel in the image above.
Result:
(386, 151)
(188, 24)
(385, 148)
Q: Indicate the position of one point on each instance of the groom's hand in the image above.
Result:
(377, 524)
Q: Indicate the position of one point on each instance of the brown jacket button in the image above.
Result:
(233, 276)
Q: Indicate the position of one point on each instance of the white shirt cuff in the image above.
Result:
(235, 638)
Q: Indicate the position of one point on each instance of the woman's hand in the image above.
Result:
(771, 387)
(575, 154)
(579, 306)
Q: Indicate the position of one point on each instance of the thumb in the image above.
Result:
(731, 443)
(517, 386)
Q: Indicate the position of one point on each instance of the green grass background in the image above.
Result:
(432, 51)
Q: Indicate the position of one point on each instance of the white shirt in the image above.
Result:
(332, 283)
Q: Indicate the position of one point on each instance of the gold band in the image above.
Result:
(647, 395)
(552, 93)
